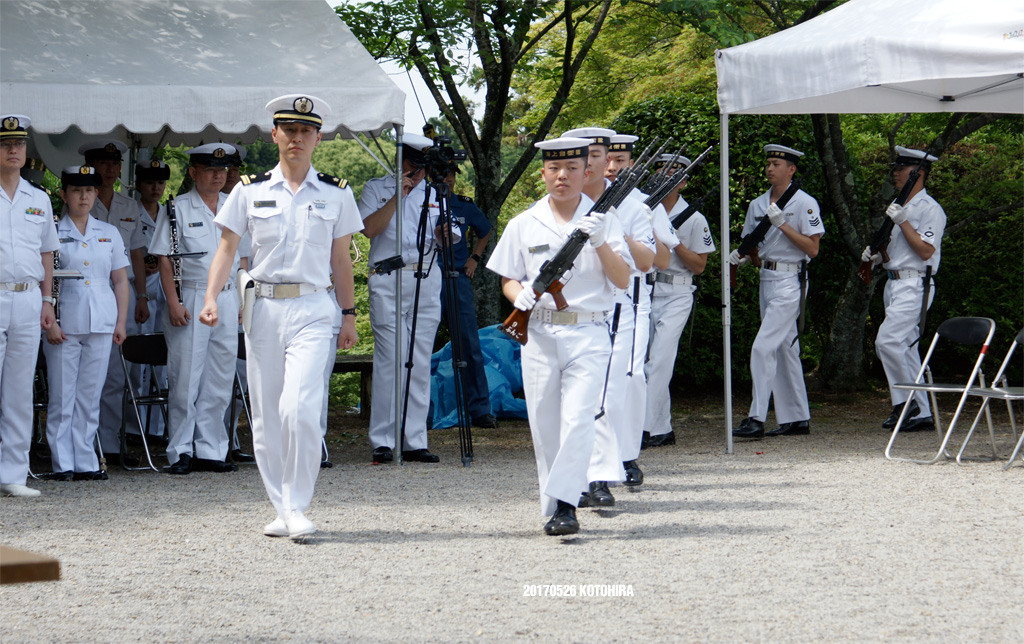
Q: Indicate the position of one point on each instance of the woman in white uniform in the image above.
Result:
(91, 314)
(301, 224)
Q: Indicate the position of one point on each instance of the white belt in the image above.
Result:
(669, 278)
(415, 267)
(202, 285)
(551, 316)
(783, 267)
(905, 274)
(285, 291)
(18, 287)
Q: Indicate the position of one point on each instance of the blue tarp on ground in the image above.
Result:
(504, 376)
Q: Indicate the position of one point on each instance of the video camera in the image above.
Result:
(439, 157)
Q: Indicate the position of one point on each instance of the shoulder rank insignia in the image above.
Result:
(37, 186)
(246, 179)
(465, 198)
(334, 181)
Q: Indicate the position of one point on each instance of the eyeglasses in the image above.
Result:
(14, 143)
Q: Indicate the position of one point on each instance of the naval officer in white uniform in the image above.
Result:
(566, 354)
(301, 224)
(789, 245)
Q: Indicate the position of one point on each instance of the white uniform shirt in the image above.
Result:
(196, 234)
(377, 192)
(694, 234)
(88, 305)
(147, 224)
(802, 214)
(26, 230)
(124, 215)
(291, 234)
(929, 219)
(534, 236)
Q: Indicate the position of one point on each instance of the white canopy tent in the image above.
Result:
(152, 72)
(872, 56)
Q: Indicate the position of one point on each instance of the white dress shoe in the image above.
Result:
(18, 490)
(276, 528)
(298, 525)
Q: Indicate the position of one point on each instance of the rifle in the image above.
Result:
(880, 240)
(692, 208)
(748, 245)
(549, 277)
(664, 188)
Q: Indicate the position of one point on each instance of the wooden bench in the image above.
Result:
(18, 567)
(362, 363)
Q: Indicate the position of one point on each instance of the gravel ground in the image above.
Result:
(793, 539)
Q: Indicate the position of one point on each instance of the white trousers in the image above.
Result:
(285, 353)
(901, 361)
(19, 348)
(332, 355)
(563, 372)
(112, 396)
(200, 373)
(382, 320)
(774, 358)
(631, 430)
(606, 459)
(73, 413)
(670, 309)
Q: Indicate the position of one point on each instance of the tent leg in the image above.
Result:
(726, 287)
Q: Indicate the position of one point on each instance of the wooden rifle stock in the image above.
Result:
(516, 324)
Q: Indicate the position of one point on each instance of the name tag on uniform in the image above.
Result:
(34, 211)
(265, 204)
(66, 240)
(195, 224)
(129, 220)
(320, 203)
(539, 249)
(103, 239)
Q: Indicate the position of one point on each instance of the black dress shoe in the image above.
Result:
(749, 428)
(212, 465)
(584, 500)
(659, 440)
(419, 456)
(797, 428)
(115, 459)
(634, 476)
(182, 466)
(382, 455)
(890, 422)
(646, 436)
(57, 476)
(922, 424)
(238, 456)
(98, 475)
(487, 421)
(600, 495)
(563, 521)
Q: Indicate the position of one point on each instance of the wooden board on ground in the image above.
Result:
(19, 566)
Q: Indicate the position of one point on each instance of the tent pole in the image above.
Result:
(726, 292)
(398, 295)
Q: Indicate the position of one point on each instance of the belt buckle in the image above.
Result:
(285, 291)
(21, 287)
(564, 317)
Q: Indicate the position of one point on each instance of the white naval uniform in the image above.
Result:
(26, 230)
(616, 430)
(157, 302)
(671, 303)
(375, 193)
(332, 356)
(903, 296)
(774, 358)
(200, 359)
(88, 316)
(287, 343)
(123, 215)
(563, 365)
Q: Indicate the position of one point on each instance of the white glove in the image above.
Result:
(736, 260)
(897, 213)
(663, 232)
(776, 216)
(526, 299)
(866, 256)
(595, 226)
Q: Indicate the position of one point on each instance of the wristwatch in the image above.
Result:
(351, 311)
(141, 295)
(475, 257)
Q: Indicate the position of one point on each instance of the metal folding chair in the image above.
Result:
(149, 350)
(238, 392)
(1001, 390)
(963, 331)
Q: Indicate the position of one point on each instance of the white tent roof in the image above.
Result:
(185, 71)
(875, 56)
